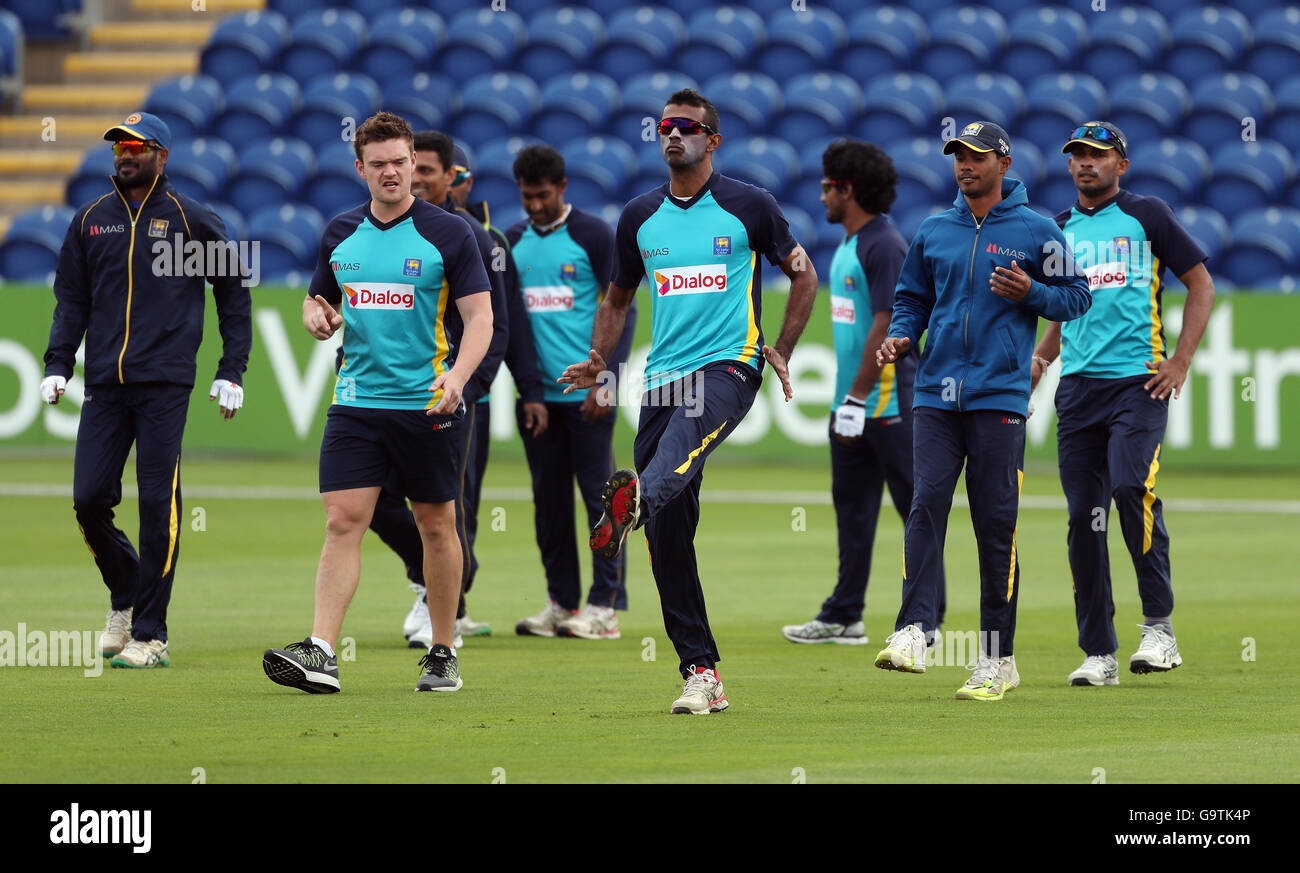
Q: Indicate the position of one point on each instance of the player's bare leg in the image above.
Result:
(442, 576)
(347, 516)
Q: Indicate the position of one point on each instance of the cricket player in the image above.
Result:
(407, 279)
(1112, 402)
(699, 237)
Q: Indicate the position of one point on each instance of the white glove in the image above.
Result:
(52, 388)
(232, 396)
(850, 417)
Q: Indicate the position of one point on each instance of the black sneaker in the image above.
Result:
(621, 498)
(304, 666)
(439, 671)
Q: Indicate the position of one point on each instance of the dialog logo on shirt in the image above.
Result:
(1110, 275)
(380, 295)
(548, 298)
(842, 310)
(703, 279)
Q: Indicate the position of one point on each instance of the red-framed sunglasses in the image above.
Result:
(131, 147)
(687, 126)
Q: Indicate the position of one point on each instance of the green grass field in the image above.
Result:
(576, 711)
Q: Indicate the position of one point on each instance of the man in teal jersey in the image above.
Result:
(410, 285)
(565, 259)
(699, 238)
(1112, 403)
(871, 421)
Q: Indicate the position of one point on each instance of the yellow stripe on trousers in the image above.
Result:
(1148, 500)
(173, 527)
(1011, 573)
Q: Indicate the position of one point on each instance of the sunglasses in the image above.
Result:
(687, 126)
(832, 183)
(1094, 131)
(131, 147)
(462, 173)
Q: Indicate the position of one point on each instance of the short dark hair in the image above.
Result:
(539, 164)
(437, 142)
(868, 168)
(381, 127)
(691, 97)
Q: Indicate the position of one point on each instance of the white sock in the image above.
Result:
(451, 648)
(329, 650)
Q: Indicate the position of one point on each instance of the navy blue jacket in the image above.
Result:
(140, 326)
(980, 345)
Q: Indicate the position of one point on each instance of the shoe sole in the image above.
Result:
(1143, 667)
(618, 530)
(1083, 682)
(893, 661)
(485, 632)
(715, 707)
(524, 630)
(572, 634)
(417, 643)
(282, 671)
(118, 665)
(839, 641)
(963, 694)
(459, 684)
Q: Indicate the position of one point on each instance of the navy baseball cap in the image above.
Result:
(460, 163)
(1099, 135)
(142, 126)
(982, 136)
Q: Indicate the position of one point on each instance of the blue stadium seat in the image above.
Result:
(1287, 284)
(494, 175)
(480, 41)
(40, 18)
(335, 186)
(244, 44)
(1056, 192)
(1148, 105)
(188, 105)
(1206, 40)
(573, 103)
(11, 43)
(1056, 104)
(800, 42)
(424, 100)
(846, 9)
(328, 104)
(402, 40)
(1173, 169)
(651, 171)
(963, 40)
(598, 168)
(257, 107)
(925, 174)
(30, 251)
(722, 39)
(289, 237)
(909, 220)
(993, 97)
(1276, 52)
(805, 229)
(1246, 174)
(201, 167)
(494, 105)
(747, 102)
(232, 218)
(1126, 40)
(92, 177)
(1265, 244)
(270, 171)
(1028, 166)
(898, 107)
(291, 9)
(810, 155)
(767, 162)
(820, 104)
(1043, 40)
(881, 42)
(1208, 228)
(323, 42)
(638, 39)
(1221, 101)
(644, 96)
(1285, 123)
(560, 41)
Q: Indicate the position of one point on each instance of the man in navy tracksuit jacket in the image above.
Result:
(142, 326)
(977, 278)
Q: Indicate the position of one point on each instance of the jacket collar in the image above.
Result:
(1014, 193)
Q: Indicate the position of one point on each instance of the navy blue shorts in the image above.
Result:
(362, 447)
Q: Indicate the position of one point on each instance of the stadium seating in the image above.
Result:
(422, 99)
(402, 40)
(494, 175)
(1042, 41)
(481, 41)
(187, 104)
(722, 40)
(334, 186)
(559, 41)
(639, 39)
(92, 177)
(1171, 168)
(598, 168)
(1266, 243)
(1027, 165)
(271, 171)
(899, 107)
(763, 161)
(201, 167)
(43, 19)
(244, 44)
(289, 237)
(1246, 174)
(1209, 39)
(322, 42)
(494, 105)
(909, 220)
(1148, 105)
(1285, 123)
(1208, 228)
(573, 103)
(11, 45)
(643, 97)
(818, 104)
(882, 42)
(925, 174)
(1056, 104)
(747, 101)
(992, 97)
(30, 251)
(232, 218)
(329, 104)
(963, 40)
(1125, 41)
(257, 107)
(800, 42)
(1276, 52)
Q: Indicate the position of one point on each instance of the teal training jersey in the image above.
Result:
(395, 284)
(863, 274)
(563, 274)
(702, 256)
(1124, 246)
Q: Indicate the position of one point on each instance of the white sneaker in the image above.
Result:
(904, 650)
(826, 632)
(1157, 653)
(423, 636)
(546, 623)
(419, 614)
(141, 654)
(991, 678)
(592, 623)
(1097, 670)
(117, 633)
(466, 626)
(703, 694)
